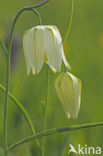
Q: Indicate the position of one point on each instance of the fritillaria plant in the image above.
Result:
(43, 44)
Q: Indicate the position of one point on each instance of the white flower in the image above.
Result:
(43, 42)
(68, 89)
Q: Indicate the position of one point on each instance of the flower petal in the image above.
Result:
(33, 49)
(27, 45)
(59, 40)
(53, 48)
(65, 61)
(38, 54)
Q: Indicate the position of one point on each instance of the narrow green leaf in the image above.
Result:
(23, 110)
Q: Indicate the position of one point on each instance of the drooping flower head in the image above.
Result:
(43, 43)
(68, 89)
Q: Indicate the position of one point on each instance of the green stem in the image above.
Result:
(64, 144)
(45, 111)
(22, 109)
(69, 26)
(6, 104)
(38, 15)
(55, 131)
(3, 47)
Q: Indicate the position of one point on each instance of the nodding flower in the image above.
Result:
(68, 89)
(43, 44)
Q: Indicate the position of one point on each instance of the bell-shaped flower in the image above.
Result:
(43, 43)
(68, 89)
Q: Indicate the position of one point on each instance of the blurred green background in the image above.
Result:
(84, 51)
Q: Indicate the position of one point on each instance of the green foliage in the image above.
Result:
(84, 50)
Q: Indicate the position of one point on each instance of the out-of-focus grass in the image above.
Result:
(85, 54)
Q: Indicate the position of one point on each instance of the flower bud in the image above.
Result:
(68, 89)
